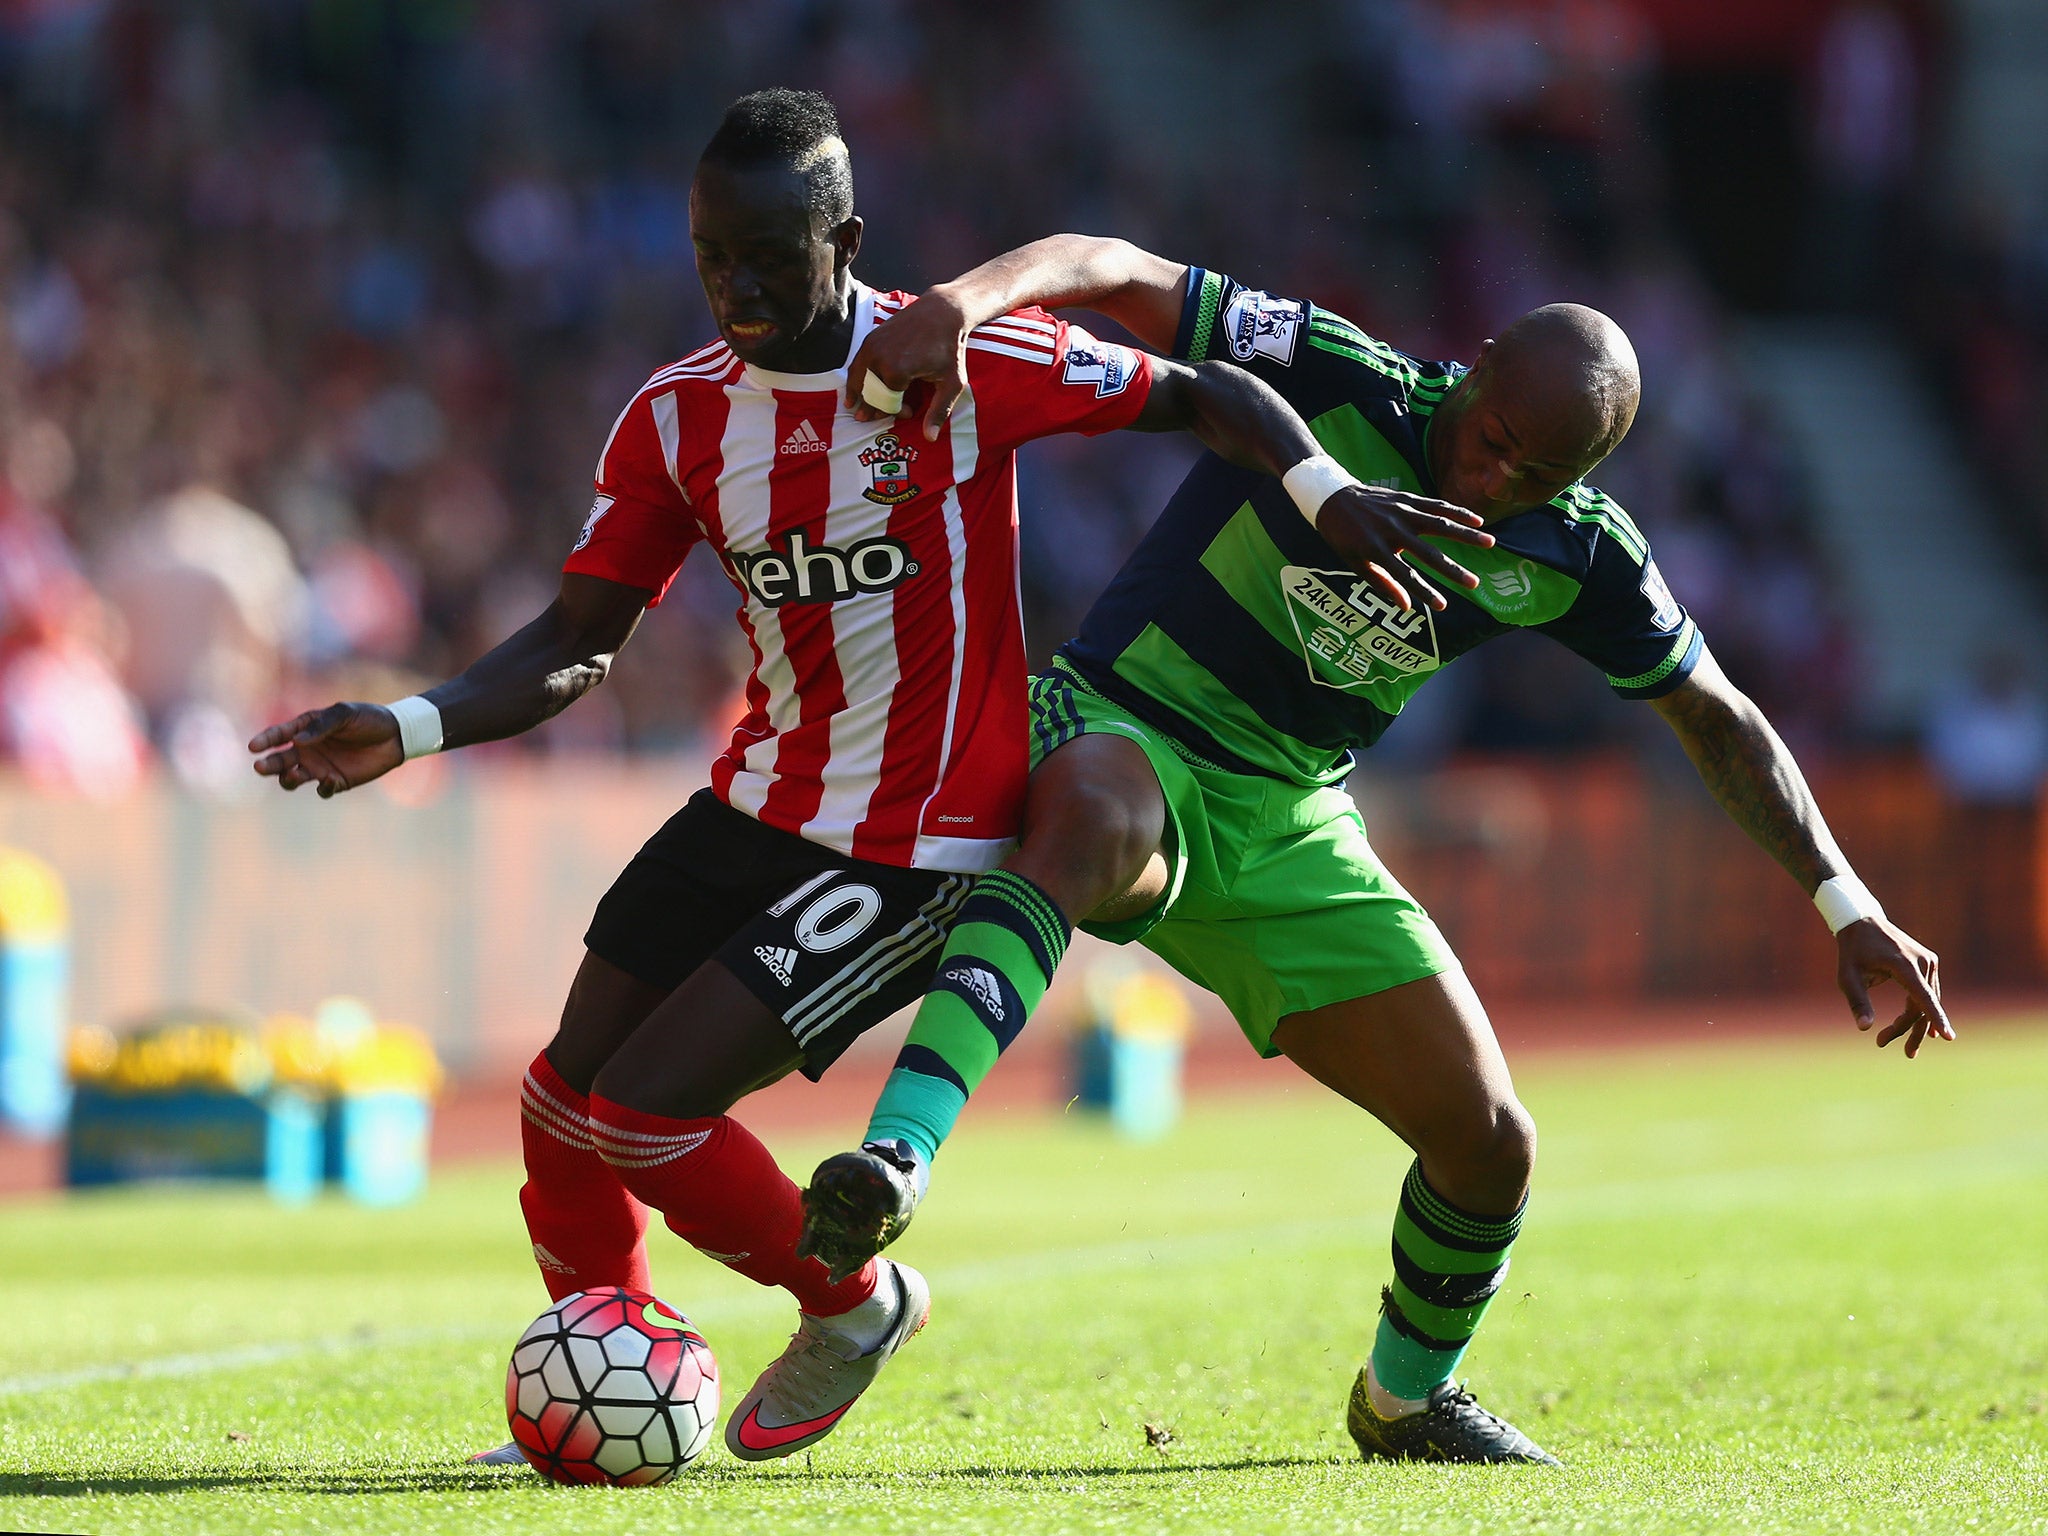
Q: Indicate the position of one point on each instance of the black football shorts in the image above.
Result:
(833, 944)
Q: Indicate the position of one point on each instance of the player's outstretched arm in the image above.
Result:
(1378, 532)
(1239, 417)
(928, 341)
(530, 677)
(1752, 773)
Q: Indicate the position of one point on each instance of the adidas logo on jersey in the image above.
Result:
(803, 438)
(780, 962)
(550, 1263)
(986, 990)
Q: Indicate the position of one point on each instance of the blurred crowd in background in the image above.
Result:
(314, 315)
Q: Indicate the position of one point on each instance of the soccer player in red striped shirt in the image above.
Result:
(880, 765)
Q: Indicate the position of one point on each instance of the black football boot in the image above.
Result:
(859, 1203)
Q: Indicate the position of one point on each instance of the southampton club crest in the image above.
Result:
(888, 465)
(1352, 636)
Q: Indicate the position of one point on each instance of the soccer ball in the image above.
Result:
(611, 1386)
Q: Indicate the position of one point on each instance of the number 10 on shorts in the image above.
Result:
(835, 917)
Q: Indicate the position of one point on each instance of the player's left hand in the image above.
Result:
(334, 749)
(925, 341)
(1379, 532)
(1874, 950)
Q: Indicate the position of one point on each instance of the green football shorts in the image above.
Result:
(1275, 901)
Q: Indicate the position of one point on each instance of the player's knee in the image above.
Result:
(1514, 1154)
(1124, 837)
(1088, 844)
(1487, 1168)
(606, 1083)
(604, 1007)
(672, 1091)
(574, 1062)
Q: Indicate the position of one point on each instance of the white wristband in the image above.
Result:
(880, 395)
(419, 726)
(1314, 481)
(1845, 900)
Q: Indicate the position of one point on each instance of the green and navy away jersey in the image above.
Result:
(1236, 630)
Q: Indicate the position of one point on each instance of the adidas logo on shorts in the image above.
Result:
(803, 438)
(982, 985)
(780, 962)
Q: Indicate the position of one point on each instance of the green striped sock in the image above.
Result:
(1448, 1264)
(997, 963)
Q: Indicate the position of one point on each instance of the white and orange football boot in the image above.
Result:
(807, 1390)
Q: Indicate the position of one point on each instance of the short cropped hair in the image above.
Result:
(798, 129)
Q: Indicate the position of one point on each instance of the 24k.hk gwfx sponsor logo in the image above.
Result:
(801, 572)
(1351, 636)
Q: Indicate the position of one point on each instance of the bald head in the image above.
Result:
(1542, 404)
(1584, 361)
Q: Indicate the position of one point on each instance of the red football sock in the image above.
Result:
(721, 1192)
(587, 1231)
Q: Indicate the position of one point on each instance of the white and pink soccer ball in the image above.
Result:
(611, 1386)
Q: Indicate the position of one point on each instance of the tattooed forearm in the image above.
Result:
(1752, 774)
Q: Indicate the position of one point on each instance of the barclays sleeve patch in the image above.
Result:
(1664, 610)
(598, 508)
(1109, 367)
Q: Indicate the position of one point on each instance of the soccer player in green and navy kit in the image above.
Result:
(1190, 743)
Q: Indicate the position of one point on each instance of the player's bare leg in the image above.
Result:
(699, 1051)
(1423, 1059)
(1092, 828)
(1093, 824)
(605, 1006)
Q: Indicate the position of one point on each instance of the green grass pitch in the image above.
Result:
(1775, 1286)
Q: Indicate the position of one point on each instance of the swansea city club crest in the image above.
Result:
(888, 465)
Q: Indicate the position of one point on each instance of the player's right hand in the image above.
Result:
(1379, 532)
(1874, 950)
(336, 748)
(927, 340)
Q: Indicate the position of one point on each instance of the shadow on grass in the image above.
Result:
(1164, 1466)
(472, 1480)
(31, 1485)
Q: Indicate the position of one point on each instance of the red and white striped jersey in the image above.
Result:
(877, 575)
